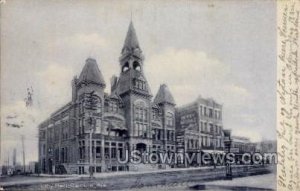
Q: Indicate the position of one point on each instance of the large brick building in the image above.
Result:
(199, 127)
(94, 126)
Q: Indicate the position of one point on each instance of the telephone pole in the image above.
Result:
(22, 136)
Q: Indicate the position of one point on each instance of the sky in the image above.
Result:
(225, 50)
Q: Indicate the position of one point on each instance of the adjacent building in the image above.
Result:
(199, 127)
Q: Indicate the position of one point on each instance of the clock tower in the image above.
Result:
(134, 90)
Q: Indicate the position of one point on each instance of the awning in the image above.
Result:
(213, 151)
(114, 126)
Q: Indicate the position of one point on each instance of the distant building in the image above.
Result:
(199, 127)
(125, 120)
(32, 167)
(241, 145)
(266, 146)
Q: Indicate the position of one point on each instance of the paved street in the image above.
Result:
(258, 182)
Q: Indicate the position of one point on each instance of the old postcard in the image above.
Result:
(149, 95)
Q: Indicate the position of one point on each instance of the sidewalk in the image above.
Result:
(29, 180)
(48, 178)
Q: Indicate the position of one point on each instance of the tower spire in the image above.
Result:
(131, 43)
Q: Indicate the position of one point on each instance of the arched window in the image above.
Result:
(141, 119)
(125, 67)
(136, 66)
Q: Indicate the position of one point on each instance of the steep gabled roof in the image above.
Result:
(164, 95)
(91, 73)
(131, 41)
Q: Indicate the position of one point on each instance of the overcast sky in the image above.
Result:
(224, 50)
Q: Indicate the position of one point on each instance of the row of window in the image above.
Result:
(141, 114)
(158, 134)
(205, 141)
(210, 112)
(140, 130)
(139, 84)
(192, 144)
(211, 142)
(111, 149)
(61, 156)
(98, 169)
(243, 147)
(111, 107)
(209, 127)
(160, 147)
(58, 131)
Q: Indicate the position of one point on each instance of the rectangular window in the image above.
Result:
(145, 131)
(113, 152)
(158, 134)
(154, 134)
(98, 152)
(201, 110)
(140, 114)
(161, 134)
(168, 135)
(120, 152)
(145, 115)
(210, 113)
(106, 152)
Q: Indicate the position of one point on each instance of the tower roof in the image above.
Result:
(131, 42)
(164, 95)
(91, 73)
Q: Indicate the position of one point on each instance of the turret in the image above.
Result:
(90, 79)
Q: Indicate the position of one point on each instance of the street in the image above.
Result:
(175, 179)
(258, 182)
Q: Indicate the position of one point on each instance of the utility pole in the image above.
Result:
(8, 159)
(92, 104)
(214, 142)
(22, 136)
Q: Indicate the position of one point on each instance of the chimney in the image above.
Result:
(113, 83)
(74, 89)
